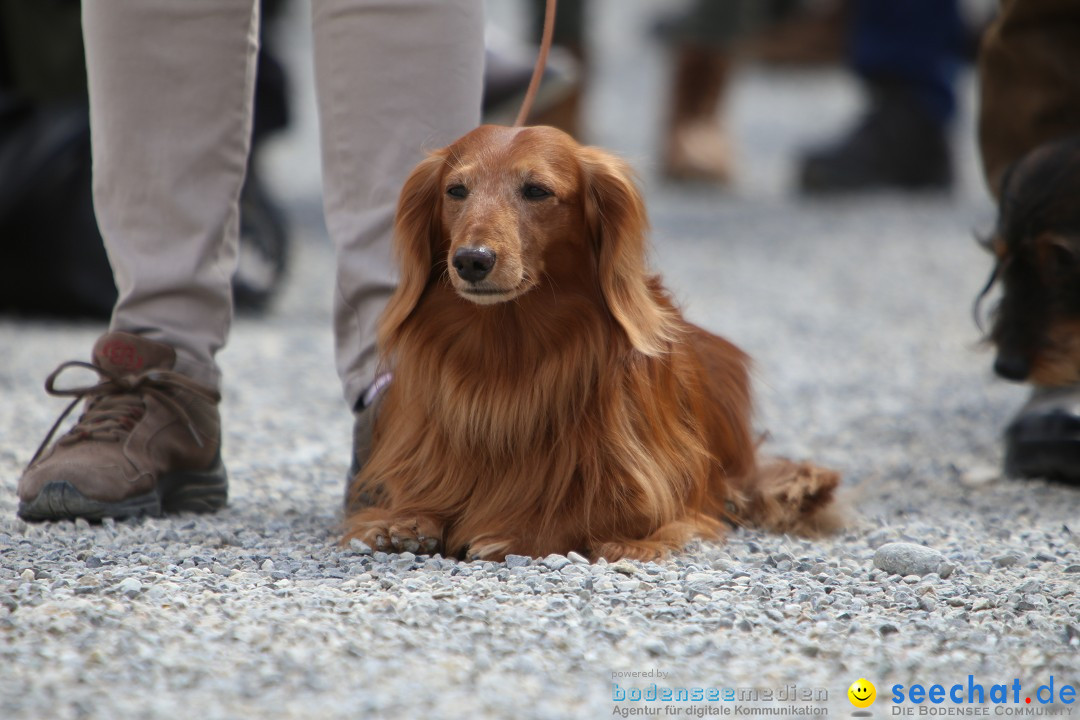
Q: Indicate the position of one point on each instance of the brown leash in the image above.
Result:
(541, 62)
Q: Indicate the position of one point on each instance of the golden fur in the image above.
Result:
(562, 402)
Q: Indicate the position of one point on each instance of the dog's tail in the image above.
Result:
(790, 497)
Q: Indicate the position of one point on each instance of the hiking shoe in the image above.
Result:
(1043, 440)
(148, 441)
(896, 145)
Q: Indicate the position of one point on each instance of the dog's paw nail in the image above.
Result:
(405, 544)
(381, 543)
(429, 545)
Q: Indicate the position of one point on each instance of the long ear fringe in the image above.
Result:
(618, 221)
(416, 233)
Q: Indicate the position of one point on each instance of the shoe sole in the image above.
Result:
(198, 492)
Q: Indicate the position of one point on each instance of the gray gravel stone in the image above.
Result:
(909, 559)
(130, 587)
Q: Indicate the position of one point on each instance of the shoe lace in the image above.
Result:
(116, 403)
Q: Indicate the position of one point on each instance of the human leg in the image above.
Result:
(696, 146)
(170, 99)
(170, 112)
(393, 80)
(907, 56)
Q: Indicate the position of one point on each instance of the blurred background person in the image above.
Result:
(701, 39)
(907, 54)
(702, 42)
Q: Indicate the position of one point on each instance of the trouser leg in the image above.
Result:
(394, 78)
(1029, 68)
(171, 87)
(914, 43)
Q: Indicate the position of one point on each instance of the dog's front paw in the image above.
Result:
(419, 534)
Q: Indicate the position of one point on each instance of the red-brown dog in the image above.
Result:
(547, 396)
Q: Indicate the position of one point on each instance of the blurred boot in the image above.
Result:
(696, 147)
(897, 145)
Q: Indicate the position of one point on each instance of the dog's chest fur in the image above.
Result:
(502, 380)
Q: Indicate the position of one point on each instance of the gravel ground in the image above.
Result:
(857, 313)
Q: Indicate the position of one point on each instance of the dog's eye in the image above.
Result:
(457, 191)
(529, 191)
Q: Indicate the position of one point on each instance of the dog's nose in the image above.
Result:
(1012, 367)
(474, 264)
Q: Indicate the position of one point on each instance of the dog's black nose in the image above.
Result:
(474, 264)
(1012, 367)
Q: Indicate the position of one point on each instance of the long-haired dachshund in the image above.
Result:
(547, 395)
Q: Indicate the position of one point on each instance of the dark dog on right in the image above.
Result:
(1036, 325)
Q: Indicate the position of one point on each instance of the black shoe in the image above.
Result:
(896, 145)
(1043, 440)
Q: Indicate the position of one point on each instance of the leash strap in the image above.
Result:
(541, 62)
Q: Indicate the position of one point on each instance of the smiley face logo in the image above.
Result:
(862, 693)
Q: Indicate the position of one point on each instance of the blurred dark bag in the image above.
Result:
(52, 260)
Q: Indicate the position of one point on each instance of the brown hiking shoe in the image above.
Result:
(148, 442)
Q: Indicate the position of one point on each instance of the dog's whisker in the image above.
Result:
(976, 309)
(553, 285)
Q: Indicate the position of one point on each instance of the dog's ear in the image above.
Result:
(417, 231)
(618, 224)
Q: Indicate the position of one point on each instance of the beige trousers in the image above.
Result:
(171, 86)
